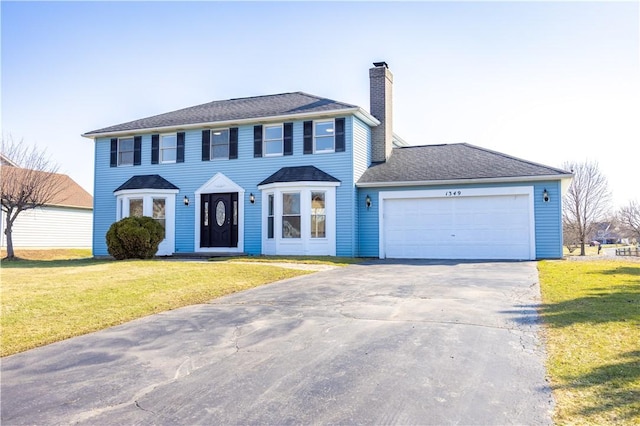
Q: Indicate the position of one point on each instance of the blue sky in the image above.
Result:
(545, 81)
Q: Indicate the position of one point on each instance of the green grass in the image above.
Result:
(591, 312)
(313, 260)
(44, 301)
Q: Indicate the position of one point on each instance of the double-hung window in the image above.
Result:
(135, 207)
(125, 151)
(220, 144)
(273, 140)
(159, 211)
(318, 215)
(324, 136)
(168, 148)
(270, 216)
(291, 215)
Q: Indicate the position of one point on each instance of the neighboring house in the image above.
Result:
(65, 222)
(297, 174)
(606, 233)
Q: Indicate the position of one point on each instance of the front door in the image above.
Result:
(219, 220)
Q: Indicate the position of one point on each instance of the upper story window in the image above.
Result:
(324, 136)
(125, 151)
(324, 140)
(220, 144)
(168, 148)
(273, 140)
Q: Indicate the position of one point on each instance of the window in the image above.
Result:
(324, 136)
(125, 152)
(273, 140)
(135, 207)
(159, 211)
(318, 215)
(168, 148)
(291, 215)
(220, 143)
(270, 216)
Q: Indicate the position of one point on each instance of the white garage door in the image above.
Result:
(458, 227)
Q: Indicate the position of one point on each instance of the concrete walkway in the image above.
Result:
(394, 343)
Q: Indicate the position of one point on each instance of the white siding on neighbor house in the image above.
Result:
(51, 227)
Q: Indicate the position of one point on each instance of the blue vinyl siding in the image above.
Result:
(547, 216)
(361, 161)
(246, 171)
(548, 220)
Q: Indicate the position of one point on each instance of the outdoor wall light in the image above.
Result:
(252, 198)
(367, 201)
(186, 200)
(545, 196)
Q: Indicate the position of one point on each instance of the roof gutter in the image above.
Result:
(357, 111)
(563, 177)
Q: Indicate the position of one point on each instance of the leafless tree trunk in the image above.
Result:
(629, 217)
(587, 201)
(29, 180)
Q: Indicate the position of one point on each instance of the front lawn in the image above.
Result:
(591, 312)
(48, 301)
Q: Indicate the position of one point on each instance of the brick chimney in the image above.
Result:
(381, 85)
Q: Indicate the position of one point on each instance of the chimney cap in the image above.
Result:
(381, 64)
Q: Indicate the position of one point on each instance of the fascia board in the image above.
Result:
(358, 112)
(565, 177)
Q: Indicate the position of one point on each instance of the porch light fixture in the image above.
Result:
(252, 198)
(545, 196)
(186, 200)
(367, 201)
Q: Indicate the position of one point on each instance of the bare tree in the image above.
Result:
(587, 201)
(29, 180)
(629, 217)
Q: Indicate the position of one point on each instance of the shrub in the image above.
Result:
(134, 238)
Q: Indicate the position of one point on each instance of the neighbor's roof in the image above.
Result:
(452, 162)
(237, 111)
(299, 174)
(71, 195)
(146, 182)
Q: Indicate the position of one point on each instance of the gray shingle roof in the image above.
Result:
(299, 174)
(452, 162)
(146, 182)
(233, 109)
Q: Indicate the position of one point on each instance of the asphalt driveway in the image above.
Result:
(385, 343)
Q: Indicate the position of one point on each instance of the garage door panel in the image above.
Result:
(481, 227)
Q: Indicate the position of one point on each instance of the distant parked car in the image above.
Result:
(594, 243)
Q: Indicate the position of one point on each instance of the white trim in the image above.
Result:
(160, 149)
(357, 111)
(457, 192)
(462, 181)
(133, 152)
(264, 140)
(303, 184)
(219, 129)
(219, 183)
(333, 136)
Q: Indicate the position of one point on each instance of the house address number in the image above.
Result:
(452, 193)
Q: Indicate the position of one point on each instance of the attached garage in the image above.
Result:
(467, 223)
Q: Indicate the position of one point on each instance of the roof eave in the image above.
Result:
(357, 111)
(562, 177)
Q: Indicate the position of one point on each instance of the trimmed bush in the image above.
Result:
(134, 238)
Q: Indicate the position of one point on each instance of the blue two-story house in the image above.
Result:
(297, 174)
